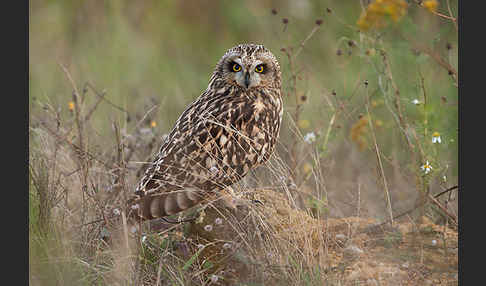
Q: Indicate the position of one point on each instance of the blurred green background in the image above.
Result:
(146, 52)
(168, 49)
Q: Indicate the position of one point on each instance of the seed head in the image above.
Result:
(370, 52)
(274, 11)
(285, 21)
(318, 22)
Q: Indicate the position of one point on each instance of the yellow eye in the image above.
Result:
(236, 67)
(259, 68)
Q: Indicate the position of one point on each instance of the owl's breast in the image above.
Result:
(257, 124)
(218, 141)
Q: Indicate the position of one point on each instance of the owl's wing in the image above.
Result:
(205, 151)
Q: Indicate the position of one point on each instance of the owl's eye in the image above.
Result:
(236, 67)
(259, 68)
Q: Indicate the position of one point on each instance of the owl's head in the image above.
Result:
(249, 66)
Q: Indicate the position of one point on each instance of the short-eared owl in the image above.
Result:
(229, 129)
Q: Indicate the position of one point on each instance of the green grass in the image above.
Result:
(162, 54)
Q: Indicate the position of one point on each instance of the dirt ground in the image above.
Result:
(349, 251)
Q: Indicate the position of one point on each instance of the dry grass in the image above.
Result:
(343, 201)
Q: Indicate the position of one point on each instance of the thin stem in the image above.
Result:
(301, 46)
(377, 151)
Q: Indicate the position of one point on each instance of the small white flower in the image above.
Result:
(214, 278)
(436, 137)
(434, 242)
(116, 212)
(213, 170)
(227, 245)
(444, 178)
(426, 167)
(208, 227)
(218, 221)
(134, 207)
(416, 101)
(144, 238)
(310, 137)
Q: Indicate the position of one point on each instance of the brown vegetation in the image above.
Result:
(357, 193)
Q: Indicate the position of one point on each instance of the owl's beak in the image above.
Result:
(247, 79)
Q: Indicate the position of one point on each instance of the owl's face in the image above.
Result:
(249, 66)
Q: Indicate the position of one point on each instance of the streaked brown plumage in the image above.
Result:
(231, 128)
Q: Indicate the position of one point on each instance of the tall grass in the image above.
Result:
(362, 106)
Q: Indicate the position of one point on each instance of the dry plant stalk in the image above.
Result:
(270, 238)
(377, 152)
(294, 75)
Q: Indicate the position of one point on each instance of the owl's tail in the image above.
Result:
(152, 206)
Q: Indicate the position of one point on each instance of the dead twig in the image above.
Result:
(434, 201)
(443, 209)
(446, 191)
(302, 44)
(436, 57)
(102, 96)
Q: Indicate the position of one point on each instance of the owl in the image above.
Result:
(231, 128)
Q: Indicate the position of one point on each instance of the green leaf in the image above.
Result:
(207, 264)
(191, 260)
